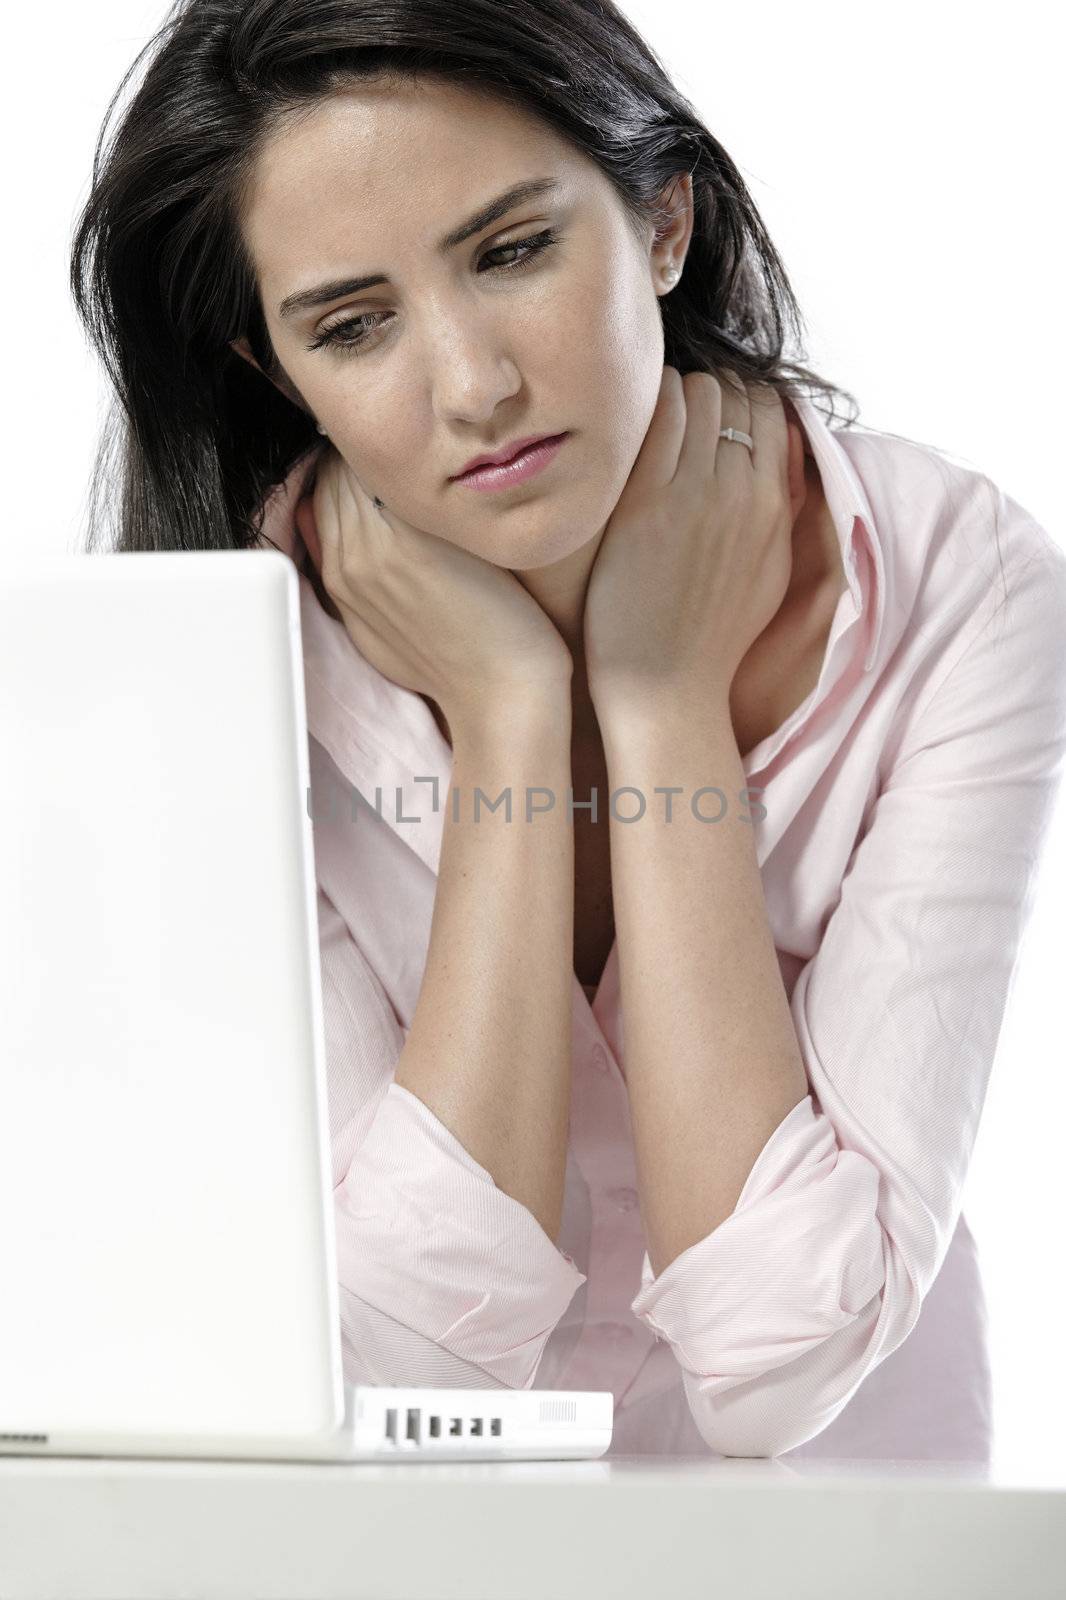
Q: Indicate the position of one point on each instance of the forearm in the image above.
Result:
(712, 1060)
(490, 1043)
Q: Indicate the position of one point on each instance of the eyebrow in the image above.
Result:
(323, 293)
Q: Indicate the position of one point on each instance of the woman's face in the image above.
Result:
(454, 353)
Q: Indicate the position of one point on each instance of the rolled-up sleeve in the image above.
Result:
(445, 1280)
(820, 1271)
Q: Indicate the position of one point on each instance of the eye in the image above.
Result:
(337, 334)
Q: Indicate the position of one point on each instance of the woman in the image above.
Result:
(674, 1093)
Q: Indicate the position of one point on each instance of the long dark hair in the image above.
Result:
(162, 281)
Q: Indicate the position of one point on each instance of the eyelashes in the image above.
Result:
(336, 337)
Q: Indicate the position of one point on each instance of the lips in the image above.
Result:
(500, 457)
(528, 463)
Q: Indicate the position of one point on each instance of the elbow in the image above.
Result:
(761, 1418)
(753, 1433)
(775, 1328)
(768, 1412)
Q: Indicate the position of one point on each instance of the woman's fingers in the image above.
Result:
(705, 404)
(769, 429)
(657, 458)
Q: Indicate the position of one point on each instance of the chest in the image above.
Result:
(774, 684)
(784, 663)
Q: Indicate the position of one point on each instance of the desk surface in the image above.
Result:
(90, 1529)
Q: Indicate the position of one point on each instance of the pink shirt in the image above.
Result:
(838, 1311)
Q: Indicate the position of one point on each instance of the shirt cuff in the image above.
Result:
(798, 1258)
(426, 1235)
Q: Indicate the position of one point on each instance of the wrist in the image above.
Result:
(514, 716)
(646, 712)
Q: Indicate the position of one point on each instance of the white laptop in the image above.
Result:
(167, 1257)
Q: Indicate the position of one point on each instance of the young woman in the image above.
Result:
(677, 790)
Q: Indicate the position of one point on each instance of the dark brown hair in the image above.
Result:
(162, 281)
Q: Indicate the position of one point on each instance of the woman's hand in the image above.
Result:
(696, 557)
(432, 617)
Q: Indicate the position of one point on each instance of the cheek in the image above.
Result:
(631, 376)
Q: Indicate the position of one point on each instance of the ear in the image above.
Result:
(305, 522)
(281, 383)
(242, 348)
(672, 240)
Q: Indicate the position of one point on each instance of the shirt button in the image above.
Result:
(624, 1198)
(599, 1058)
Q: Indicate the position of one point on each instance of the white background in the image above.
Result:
(907, 162)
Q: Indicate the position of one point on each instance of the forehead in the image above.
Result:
(396, 160)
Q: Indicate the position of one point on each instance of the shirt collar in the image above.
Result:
(850, 510)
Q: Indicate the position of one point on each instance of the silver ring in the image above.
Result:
(737, 436)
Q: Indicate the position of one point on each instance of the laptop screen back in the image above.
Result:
(166, 1240)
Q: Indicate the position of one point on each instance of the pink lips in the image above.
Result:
(522, 466)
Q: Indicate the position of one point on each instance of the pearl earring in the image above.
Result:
(321, 429)
(671, 275)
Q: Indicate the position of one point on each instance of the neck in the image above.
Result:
(815, 545)
(559, 589)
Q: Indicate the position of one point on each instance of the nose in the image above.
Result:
(472, 373)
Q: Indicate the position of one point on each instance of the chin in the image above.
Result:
(546, 549)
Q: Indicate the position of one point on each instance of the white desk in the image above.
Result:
(89, 1529)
